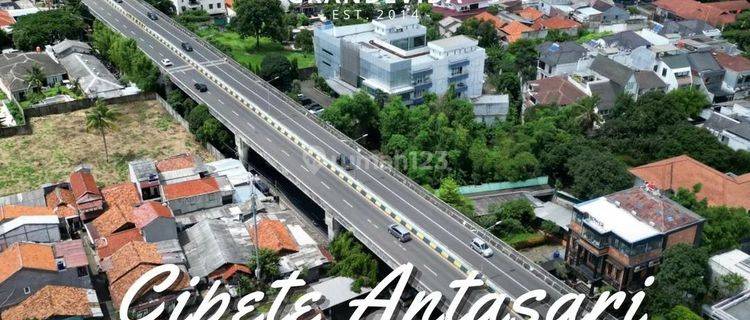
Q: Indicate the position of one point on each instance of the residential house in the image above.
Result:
(714, 13)
(687, 29)
(462, 5)
(6, 21)
(593, 84)
(128, 264)
(27, 224)
(559, 23)
(611, 14)
(488, 17)
(192, 195)
(67, 47)
(559, 58)
(57, 302)
(213, 7)
(393, 56)
(625, 41)
(155, 221)
(515, 30)
(619, 238)
(108, 245)
(217, 249)
(91, 75)
(145, 176)
(732, 308)
(635, 82)
(674, 70)
(737, 74)
(273, 235)
(555, 90)
(489, 109)
(89, 199)
(29, 267)
(530, 14)
(15, 66)
(588, 16)
(731, 262)
(732, 130)
(62, 202)
(717, 187)
(448, 26)
(179, 168)
(708, 75)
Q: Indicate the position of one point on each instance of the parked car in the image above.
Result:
(151, 15)
(399, 232)
(262, 187)
(481, 247)
(166, 62)
(187, 47)
(201, 87)
(344, 161)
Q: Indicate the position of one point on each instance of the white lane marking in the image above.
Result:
(286, 153)
(325, 185)
(222, 102)
(251, 126)
(150, 46)
(269, 139)
(303, 167)
(235, 113)
(347, 203)
(430, 270)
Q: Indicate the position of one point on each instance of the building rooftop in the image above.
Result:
(121, 199)
(92, 75)
(515, 30)
(453, 43)
(190, 188)
(212, 244)
(144, 213)
(336, 290)
(736, 63)
(486, 16)
(555, 53)
(734, 261)
(72, 253)
(676, 61)
(56, 302)
(130, 256)
(628, 40)
(26, 255)
(718, 13)
(275, 236)
(685, 172)
(703, 61)
(733, 308)
(555, 90)
(648, 80)
(616, 72)
(14, 66)
(555, 23)
(178, 162)
(531, 14)
(106, 246)
(62, 202)
(14, 211)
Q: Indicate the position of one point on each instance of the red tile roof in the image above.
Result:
(555, 90)
(120, 199)
(555, 23)
(26, 255)
(685, 172)
(657, 210)
(495, 20)
(227, 272)
(530, 13)
(515, 30)
(149, 211)
(106, 246)
(190, 188)
(52, 302)
(737, 63)
(6, 19)
(87, 193)
(130, 256)
(178, 162)
(715, 14)
(274, 236)
(118, 288)
(11, 211)
(62, 202)
(72, 252)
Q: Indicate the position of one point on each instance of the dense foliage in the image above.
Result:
(201, 123)
(353, 261)
(124, 54)
(681, 280)
(46, 27)
(259, 18)
(278, 71)
(739, 31)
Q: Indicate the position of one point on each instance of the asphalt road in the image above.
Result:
(369, 222)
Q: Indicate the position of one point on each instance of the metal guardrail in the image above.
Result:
(491, 239)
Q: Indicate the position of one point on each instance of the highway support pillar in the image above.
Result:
(334, 227)
(243, 150)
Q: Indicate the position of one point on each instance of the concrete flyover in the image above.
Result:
(364, 200)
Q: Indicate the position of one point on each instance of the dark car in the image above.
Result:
(152, 16)
(187, 47)
(344, 161)
(201, 87)
(262, 187)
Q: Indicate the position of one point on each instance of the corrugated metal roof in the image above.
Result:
(212, 243)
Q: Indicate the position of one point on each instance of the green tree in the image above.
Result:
(192, 19)
(35, 77)
(448, 192)
(353, 260)
(355, 115)
(727, 285)
(304, 40)
(588, 115)
(681, 313)
(269, 264)
(46, 27)
(689, 100)
(197, 117)
(516, 216)
(681, 279)
(259, 18)
(277, 70)
(101, 119)
(739, 31)
(596, 173)
(493, 9)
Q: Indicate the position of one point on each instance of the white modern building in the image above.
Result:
(394, 57)
(213, 7)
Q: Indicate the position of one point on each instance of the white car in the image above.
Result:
(481, 247)
(166, 62)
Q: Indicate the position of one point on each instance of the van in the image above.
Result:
(399, 232)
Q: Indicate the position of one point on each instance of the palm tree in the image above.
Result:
(101, 118)
(35, 78)
(588, 115)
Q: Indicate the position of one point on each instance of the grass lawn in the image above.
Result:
(245, 52)
(60, 142)
(48, 93)
(522, 238)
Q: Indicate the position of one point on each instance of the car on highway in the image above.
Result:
(481, 247)
(399, 232)
(201, 87)
(344, 161)
(151, 15)
(315, 109)
(166, 62)
(118, 1)
(186, 46)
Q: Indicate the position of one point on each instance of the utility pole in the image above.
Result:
(254, 209)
